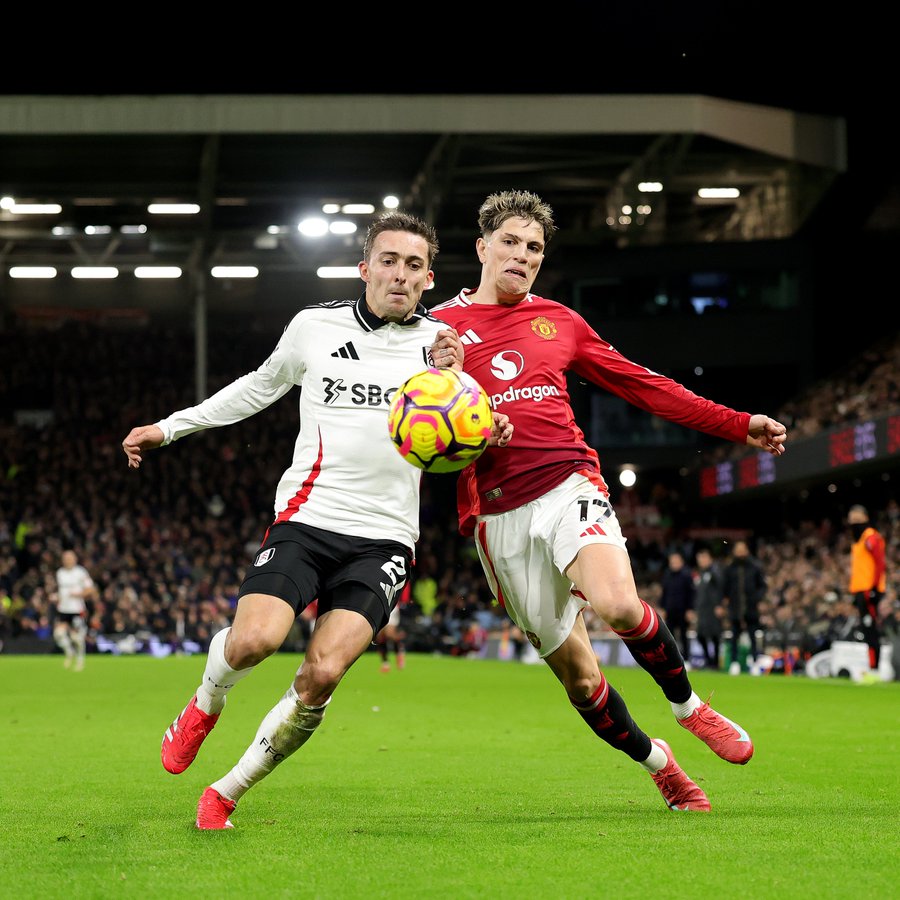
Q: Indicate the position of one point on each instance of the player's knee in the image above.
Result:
(622, 610)
(581, 688)
(318, 678)
(251, 645)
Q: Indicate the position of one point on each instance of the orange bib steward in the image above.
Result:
(867, 563)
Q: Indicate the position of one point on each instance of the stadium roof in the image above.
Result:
(258, 164)
(257, 158)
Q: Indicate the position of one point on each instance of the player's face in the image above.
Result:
(511, 257)
(396, 274)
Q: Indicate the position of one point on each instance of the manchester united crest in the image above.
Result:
(544, 328)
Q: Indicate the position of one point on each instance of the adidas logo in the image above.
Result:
(348, 351)
(593, 529)
(469, 337)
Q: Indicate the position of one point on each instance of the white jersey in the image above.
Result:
(346, 475)
(68, 581)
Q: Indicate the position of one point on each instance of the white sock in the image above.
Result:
(80, 644)
(656, 760)
(683, 710)
(64, 642)
(218, 677)
(286, 728)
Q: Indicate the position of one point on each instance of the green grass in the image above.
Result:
(455, 778)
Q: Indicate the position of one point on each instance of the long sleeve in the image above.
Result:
(239, 400)
(247, 395)
(599, 362)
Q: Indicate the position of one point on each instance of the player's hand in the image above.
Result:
(767, 434)
(144, 437)
(447, 350)
(501, 431)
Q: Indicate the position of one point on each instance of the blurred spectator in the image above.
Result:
(744, 587)
(708, 606)
(891, 629)
(452, 617)
(168, 558)
(424, 584)
(868, 578)
(677, 599)
(472, 640)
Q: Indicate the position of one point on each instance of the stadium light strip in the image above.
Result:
(95, 272)
(32, 272)
(234, 272)
(34, 209)
(338, 272)
(157, 272)
(174, 209)
(718, 193)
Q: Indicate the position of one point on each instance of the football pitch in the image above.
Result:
(454, 778)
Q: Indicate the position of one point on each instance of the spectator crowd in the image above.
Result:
(167, 546)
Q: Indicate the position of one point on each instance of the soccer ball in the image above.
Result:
(440, 420)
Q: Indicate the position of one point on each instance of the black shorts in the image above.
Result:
(75, 620)
(300, 563)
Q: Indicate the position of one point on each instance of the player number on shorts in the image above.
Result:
(585, 505)
(396, 572)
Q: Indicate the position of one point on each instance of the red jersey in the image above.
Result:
(520, 354)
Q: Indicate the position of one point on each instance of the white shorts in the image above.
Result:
(526, 551)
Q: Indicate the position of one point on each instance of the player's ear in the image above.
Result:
(364, 271)
(480, 248)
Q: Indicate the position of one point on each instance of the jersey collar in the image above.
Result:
(370, 322)
(463, 297)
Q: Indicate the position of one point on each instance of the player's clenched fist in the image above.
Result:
(144, 437)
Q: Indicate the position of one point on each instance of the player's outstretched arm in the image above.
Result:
(501, 431)
(767, 434)
(144, 437)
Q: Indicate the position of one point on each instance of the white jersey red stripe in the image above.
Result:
(346, 476)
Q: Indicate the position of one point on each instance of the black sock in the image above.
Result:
(608, 717)
(655, 650)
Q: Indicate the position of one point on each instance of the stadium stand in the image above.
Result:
(168, 549)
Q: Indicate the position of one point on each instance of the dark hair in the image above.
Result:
(400, 221)
(503, 205)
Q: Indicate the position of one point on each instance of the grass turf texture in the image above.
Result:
(452, 778)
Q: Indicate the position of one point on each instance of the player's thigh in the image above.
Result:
(593, 555)
(370, 581)
(342, 636)
(261, 624)
(579, 522)
(523, 577)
